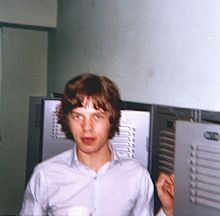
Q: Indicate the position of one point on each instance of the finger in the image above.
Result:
(169, 178)
(160, 181)
(165, 181)
(172, 177)
(169, 189)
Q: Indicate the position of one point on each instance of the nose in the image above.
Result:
(87, 124)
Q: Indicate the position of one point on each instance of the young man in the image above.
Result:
(91, 175)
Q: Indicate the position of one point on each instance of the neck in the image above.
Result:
(95, 160)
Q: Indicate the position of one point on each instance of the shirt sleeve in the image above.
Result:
(35, 196)
(144, 203)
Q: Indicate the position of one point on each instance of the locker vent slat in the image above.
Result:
(204, 188)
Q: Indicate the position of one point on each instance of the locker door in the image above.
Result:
(197, 169)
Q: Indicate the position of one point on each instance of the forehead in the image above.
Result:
(88, 106)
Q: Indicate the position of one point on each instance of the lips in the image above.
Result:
(88, 140)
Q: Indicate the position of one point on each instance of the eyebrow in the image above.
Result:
(95, 111)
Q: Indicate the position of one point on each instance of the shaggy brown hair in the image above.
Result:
(103, 92)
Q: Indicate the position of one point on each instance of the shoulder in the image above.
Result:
(57, 162)
(62, 158)
(50, 170)
(133, 163)
(135, 173)
(127, 162)
(134, 166)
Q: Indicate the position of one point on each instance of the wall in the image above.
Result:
(162, 52)
(24, 73)
(29, 12)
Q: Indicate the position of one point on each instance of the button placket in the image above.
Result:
(96, 194)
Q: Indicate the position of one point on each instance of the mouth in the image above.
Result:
(88, 140)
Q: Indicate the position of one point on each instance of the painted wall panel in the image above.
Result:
(29, 12)
(161, 52)
(24, 74)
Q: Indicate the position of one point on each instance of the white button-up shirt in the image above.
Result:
(122, 187)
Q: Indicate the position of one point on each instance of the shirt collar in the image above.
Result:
(74, 158)
(115, 158)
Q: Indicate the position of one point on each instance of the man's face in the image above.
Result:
(90, 128)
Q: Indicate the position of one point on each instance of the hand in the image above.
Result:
(165, 191)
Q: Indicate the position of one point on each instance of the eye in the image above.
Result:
(77, 116)
(99, 116)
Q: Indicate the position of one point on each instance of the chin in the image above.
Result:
(88, 149)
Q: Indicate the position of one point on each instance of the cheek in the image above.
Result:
(105, 128)
(74, 128)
